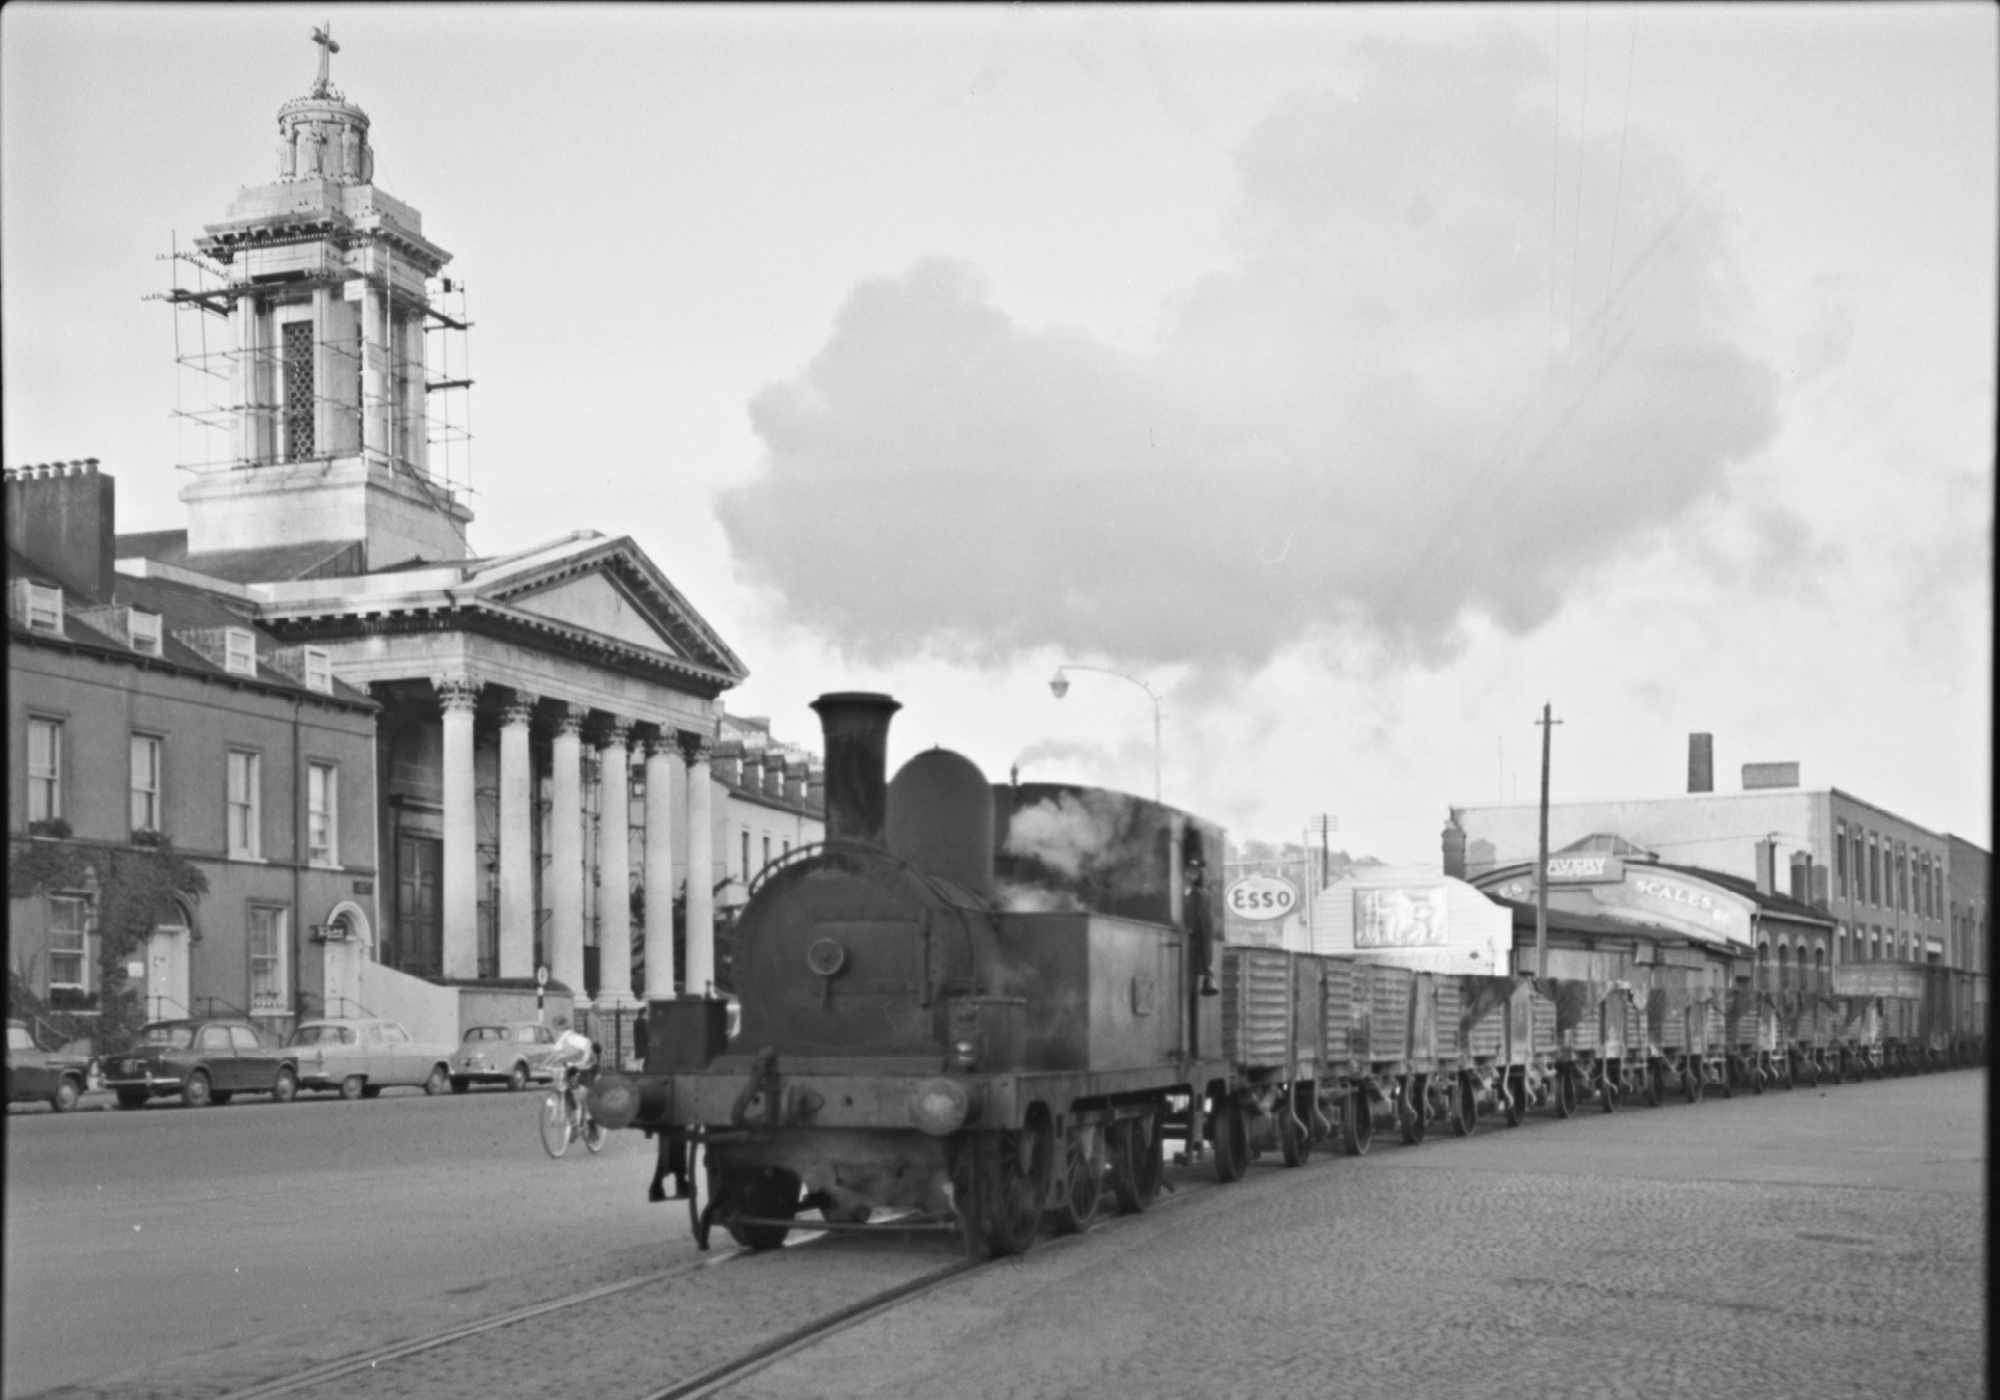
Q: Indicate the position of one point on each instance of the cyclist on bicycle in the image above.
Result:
(574, 1051)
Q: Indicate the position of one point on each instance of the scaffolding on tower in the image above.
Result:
(301, 398)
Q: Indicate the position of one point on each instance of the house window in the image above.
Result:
(243, 805)
(746, 857)
(72, 921)
(767, 850)
(298, 336)
(319, 670)
(45, 802)
(41, 606)
(268, 926)
(1874, 871)
(239, 656)
(145, 783)
(321, 798)
(145, 628)
(1840, 859)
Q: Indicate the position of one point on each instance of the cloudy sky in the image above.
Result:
(1359, 379)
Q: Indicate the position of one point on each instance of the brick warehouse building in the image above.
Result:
(146, 715)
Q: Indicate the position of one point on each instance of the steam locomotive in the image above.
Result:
(966, 1035)
(978, 1007)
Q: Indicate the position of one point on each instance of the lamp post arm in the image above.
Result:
(1150, 695)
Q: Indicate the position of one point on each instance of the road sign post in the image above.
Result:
(541, 986)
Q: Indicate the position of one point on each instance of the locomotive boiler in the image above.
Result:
(971, 1008)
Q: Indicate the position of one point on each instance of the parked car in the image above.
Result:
(512, 1054)
(361, 1058)
(35, 1074)
(206, 1060)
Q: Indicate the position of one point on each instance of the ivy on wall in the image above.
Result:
(135, 888)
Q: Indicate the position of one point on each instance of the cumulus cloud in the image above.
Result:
(1428, 386)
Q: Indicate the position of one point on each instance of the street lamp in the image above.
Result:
(1059, 687)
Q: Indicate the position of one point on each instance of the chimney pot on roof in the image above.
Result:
(1701, 763)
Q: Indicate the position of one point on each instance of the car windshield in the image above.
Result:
(489, 1033)
(322, 1035)
(19, 1039)
(173, 1037)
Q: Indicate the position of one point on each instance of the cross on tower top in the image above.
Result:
(327, 49)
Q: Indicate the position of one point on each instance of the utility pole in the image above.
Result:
(1542, 854)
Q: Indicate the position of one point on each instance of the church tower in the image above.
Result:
(328, 298)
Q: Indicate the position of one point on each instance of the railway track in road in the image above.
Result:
(385, 1366)
(652, 1326)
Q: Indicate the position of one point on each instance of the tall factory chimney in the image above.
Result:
(856, 728)
(1767, 867)
(1701, 763)
(1802, 876)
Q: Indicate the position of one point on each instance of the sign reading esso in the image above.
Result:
(1261, 897)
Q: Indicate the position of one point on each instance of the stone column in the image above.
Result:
(565, 950)
(247, 436)
(457, 695)
(701, 874)
(374, 375)
(614, 868)
(517, 840)
(662, 758)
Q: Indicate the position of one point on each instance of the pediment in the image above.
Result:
(608, 589)
(596, 603)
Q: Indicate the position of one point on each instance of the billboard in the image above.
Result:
(1399, 917)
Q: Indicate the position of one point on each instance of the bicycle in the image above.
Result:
(566, 1115)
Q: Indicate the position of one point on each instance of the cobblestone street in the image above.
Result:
(1821, 1243)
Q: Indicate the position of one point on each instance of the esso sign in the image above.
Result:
(1261, 897)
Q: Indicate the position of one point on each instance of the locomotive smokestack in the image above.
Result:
(856, 727)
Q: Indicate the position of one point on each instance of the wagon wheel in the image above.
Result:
(772, 1193)
(1413, 1109)
(1656, 1084)
(1295, 1124)
(1083, 1180)
(1464, 1104)
(1231, 1136)
(1566, 1093)
(1514, 1097)
(1357, 1127)
(1140, 1161)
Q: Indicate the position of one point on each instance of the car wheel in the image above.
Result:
(350, 1087)
(517, 1078)
(285, 1088)
(196, 1093)
(435, 1085)
(68, 1091)
(460, 1084)
(132, 1098)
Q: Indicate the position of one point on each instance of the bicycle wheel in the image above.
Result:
(594, 1133)
(555, 1124)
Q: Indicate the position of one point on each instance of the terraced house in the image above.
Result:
(150, 718)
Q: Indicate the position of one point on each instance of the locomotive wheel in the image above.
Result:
(1295, 1124)
(1656, 1084)
(1231, 1137)
(1514, 1098)
(772, 1194)
(1464, 1105)
(1013, 1198)
(1357, 1127)
(1413, 1109)
(1083, 1185)
(1140, 1160)
(1566, 1094)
